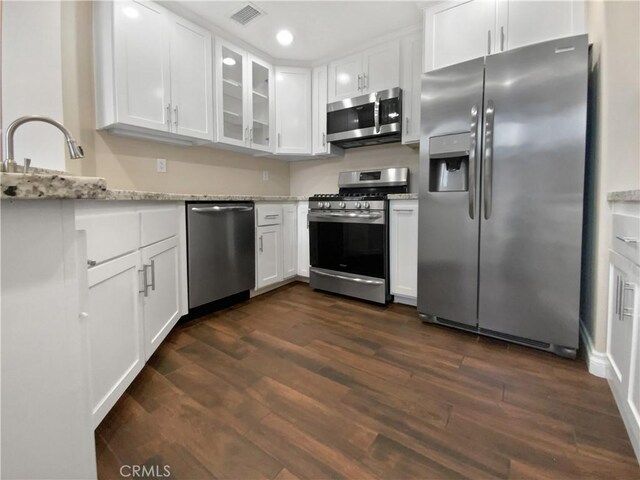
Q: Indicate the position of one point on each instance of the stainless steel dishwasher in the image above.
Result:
(220, 250)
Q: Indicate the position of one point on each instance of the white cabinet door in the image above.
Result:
(522, 23)
(293, 110)
(191, 85)
(411, 87)
(460, 31)
(231, 109)
(403, 246)
(260, 100)
(319, 110)
(141, 55)
(268, 255)
(345, 78)
(381, 67)
(161, 291)
(303, 239)
(289, 240)
(622, 316)
(116, 351)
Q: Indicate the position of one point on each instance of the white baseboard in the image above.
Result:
(411, 301)
(597, 362)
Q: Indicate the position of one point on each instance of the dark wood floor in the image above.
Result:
(301, 384)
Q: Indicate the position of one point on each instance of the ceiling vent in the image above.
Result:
(247, 14)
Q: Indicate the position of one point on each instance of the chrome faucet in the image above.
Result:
(10, 165)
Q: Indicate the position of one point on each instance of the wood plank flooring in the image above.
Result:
(300, 384)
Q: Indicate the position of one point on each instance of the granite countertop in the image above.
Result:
(403, 196)
(52, 186)
(624, 196)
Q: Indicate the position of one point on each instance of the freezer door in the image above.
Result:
(448, 210)
(533, 179)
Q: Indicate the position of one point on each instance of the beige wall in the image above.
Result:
(613, 28)
(321, 176)
(131, 164)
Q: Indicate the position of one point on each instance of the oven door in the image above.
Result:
(350, 242)
(371, 115)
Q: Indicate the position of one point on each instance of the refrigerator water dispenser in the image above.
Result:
(449, 163)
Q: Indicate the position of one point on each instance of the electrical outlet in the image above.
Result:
(161, 165)
(265, 175)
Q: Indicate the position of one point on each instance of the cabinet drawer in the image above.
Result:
(626, 237)
(158, 224)
(269, 215)
(111, 232)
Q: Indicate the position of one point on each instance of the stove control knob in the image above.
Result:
(358, 205)
(327, 205)
(343, 205)
(366, 205)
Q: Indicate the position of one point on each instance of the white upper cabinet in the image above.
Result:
(375, 69)
(319, 110)
(411, 87)
(191, 93)
(293, 110)
(458, 31)
(462, 30)
(522, 23)
(153, 72)
(244, 94)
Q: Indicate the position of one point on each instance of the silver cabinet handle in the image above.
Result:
(403, 210)
(489, 42)
(502, 39)
(273, 215)
(175, 112)
(488, 159)
(628, 239)
(153, 275)
(168, 116)
(261, 244)
(350, 279)
(473, 145)
(222, 208)
(359, 81)
(365, 81)
(324, 139)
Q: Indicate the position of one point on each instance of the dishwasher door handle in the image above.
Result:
(223, 208)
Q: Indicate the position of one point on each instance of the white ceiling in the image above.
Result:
(321, 29)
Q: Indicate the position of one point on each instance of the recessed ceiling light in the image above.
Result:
(284, 37)
(130, 12)
(228, 61)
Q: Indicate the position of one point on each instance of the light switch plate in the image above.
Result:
(161, 165)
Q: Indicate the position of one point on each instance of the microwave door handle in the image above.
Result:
(376, 113)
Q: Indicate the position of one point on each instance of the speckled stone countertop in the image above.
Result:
(625, 196)
(403, 196)
(51, 186)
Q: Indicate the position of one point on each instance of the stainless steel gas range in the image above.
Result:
(349, 234)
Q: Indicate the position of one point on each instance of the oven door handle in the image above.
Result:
(344, 277)
(372, 216)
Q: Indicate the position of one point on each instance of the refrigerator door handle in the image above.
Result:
(488, 159)
(473, 141)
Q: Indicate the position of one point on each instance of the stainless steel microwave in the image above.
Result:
(368, 119)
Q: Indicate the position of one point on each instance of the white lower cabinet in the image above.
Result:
(116, 338)
(403, 248)
(161, 291)
(268, 255)
(303, 239)
(136, 286)
(623, 327)
(289, 240)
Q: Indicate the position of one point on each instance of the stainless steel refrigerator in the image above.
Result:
(502, 171)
